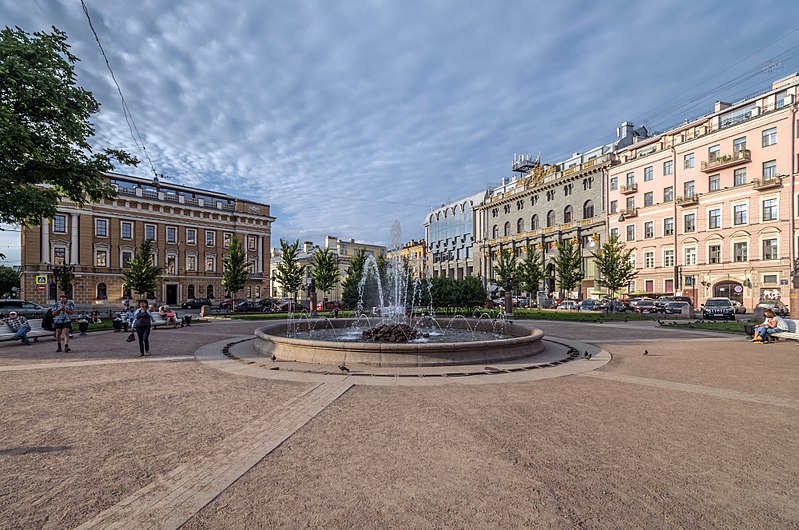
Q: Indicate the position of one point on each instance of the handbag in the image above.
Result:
(131, 337)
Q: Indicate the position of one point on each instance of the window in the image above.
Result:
(614, 183)
(550, 218)
(101, 227)
(713, 152)
(494, 232)
(714, 182)
(739, 214)
(171, 234)
(614, 206)
(688, 189)
(632, 259)
(714, 218)
(630, 178)
(251, 242)
(668, 226)
(630, 203)
(101, 258)
(770, 249)
(770, 169)
(191, 236)
(648, 198)
(190, 291)
(567, 214)
(588, 209)
(740, 252)
(668, 167)
(769, 137)
(769, 278)
(534, 223)
(648, 172)
(149, 232)
(690, 222)
(226, 237)
(630, 232)
(59, 255)
(210, 264)
(210, 238)
(171, 264)
(520, 226)
(209, 292)
(690, 256)
(649, 229)
(714, 254)
(782, 99)
(102, 291)
(668, 258)
(60, 224)
(127, 257)
(506, 229)
(126, 230)
(668, 194)
(191, 265)
(688, 161)
(739, 144)
(668, 286)
(770, 210)
(739, 176)
(614, 232)
(649, 260)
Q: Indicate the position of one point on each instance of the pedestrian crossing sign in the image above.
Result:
(41, 279)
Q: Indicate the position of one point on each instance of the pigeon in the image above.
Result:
(274, 358)
(587, 355)
(274, 368)
(646, 352)
(343, 368)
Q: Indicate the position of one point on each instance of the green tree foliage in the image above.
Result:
(45, 152)
(568, 266)
(65, 278)
(614, 266)
(142, 276)
(324, 270)
(9, 278)
(289, 272)
(449, 292)
(506, 267)
(354, 273)
(531, 271)
(236, 269)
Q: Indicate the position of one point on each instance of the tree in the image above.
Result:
(9, 278)
(45, 152)
(531, 271)
(324, 270)
(354, 273)
(142, 276)
(236, 269)
(568, 266)
(506, 268)
(65, 277)
(614, 266)
(289, 272)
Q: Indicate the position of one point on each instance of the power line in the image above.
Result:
(125, 110)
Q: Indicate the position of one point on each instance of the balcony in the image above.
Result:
(767, 183)
(742, 156)
(628, 213)
(688, 200)
(627, 189)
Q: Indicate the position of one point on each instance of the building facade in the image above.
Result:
(710, 207)
(190, 229)
(415, 254)
(450, 236)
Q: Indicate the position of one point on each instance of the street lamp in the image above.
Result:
(508, 297)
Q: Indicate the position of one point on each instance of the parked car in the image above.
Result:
(778, 307)
(569, 305)
(675, 307)
(195, 303)
(328, 306)
(231, 303)
(646, 306)
(720, 308)
(662, 302)
(589, 305)
(22, 307)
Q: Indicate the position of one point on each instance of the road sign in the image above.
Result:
(42, 287)
(41, 279)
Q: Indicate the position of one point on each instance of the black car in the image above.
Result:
(662, 302)
(253, 307)
(195, 303)
(675, 308)
(720, 308)
(23, 308)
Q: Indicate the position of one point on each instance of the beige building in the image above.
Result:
(415, 253)
(190, 228)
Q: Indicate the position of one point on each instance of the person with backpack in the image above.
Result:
(142, 323)
(62, 319)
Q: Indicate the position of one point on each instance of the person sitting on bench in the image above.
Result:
(20, 326)
(770, 326)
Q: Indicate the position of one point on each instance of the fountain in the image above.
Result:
(391, 334)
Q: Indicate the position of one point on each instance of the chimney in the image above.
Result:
(625, 130)
(504, 181)
(307, 246)
(331, 242)
(720, 105)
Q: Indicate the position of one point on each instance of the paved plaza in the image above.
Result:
(700, 432)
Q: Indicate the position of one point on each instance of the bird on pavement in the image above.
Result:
(274, 358)
(587, 355)
(343, 368)
(646, 352)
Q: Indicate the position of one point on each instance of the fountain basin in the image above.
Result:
(271, 340)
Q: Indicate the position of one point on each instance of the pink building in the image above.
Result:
(711, 206)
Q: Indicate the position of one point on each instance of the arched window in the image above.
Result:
(567, 214)
(495, 232)
(588, 209)
(534, 223)
(507, 228)
(520, 226)
(550, 218)
(190, 290)
(209, 291)
(102, 292)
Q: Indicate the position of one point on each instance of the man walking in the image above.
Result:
(62, 319)
(20, 326)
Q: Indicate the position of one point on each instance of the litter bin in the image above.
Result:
(83, 326)
(187, 320)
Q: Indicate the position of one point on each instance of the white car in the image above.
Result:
(569, 305)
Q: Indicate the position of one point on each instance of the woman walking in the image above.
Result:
(141, 321)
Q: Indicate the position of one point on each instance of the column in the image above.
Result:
(45, 249)
(260, 266)
(73, 251)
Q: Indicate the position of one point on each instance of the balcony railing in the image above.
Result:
(767, 183)
(627, 213)
(627, 189)
(742, 156)
(124, 190)
(688, 200)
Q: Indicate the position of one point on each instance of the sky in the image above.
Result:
(347, 116)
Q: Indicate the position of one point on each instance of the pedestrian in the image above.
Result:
(20, 326)
(62, 319)
(141, 321)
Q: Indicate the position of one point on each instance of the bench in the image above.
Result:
(34, 334)
(158, 320)
(792, 333)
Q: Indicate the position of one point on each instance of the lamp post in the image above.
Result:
(508, 298)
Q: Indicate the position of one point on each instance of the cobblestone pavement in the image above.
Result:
(698, 432)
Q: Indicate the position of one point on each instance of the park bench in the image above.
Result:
(792, 333)
(34, 334)
(159, 321)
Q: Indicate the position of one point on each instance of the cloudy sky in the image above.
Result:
(346, 116)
